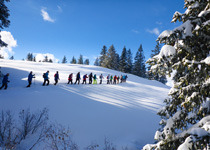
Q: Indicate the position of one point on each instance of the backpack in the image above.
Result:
(44, 75)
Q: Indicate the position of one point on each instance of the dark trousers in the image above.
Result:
(114, 82)
(77, 80)
(100, 81)
(4, 85)
(90, 81)
(70, 81)
(46, 80)
(84, 81)
(108, 81)
(56, 81)
(29, 83)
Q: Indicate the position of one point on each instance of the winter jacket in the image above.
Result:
(56, 76)
(30, 76)
(115, 77)
(85, 77)
(5, 79)
(90, 75)
(107, 77)
(94, 77)
(70, 76)
(78, 76)
(101, 77)
(46, 76)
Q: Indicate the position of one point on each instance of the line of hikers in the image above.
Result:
(92, 79)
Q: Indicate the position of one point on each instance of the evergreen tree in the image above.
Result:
(11, 58)
(139, 68)
(4, 14)
(80, 60)
(156, 51)
(50, 61)
(64, 60)
(123, 60)
(29, 57)
(96, 63)
(1, 56)
(112, 59)
(103, 56)
(117, 62)
(73, 61)
(86, 62)
(129, 65)
(46, 59)
(155, 75)
(34, 59)
(186, 115)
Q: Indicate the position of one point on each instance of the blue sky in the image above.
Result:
(74, 27)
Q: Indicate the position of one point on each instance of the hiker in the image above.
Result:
(121, 79)
(118, 79)
(70, 78)
(101, 77)
(107, 79)
(56, 77)
(115, 79)
(46, 78)
(77, 78)
(126, 77)
(84, 78)
(1, 75)
(5, 81)
(30, 77)
(90, 78)
(111, 78)
(94, 79)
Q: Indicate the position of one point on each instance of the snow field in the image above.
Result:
(124, 113)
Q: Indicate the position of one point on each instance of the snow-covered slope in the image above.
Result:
(125, 113)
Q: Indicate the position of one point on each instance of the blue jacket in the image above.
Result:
(5, 79)
(46, 76)
(30, 76)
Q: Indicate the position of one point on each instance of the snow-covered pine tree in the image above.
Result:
(80, 60)
(96, 63)
(103, 56)
(139, 68)
(123, 60)
(64, 60)
(185, 117)
(73, 61)
(129, 65)
(155, 75)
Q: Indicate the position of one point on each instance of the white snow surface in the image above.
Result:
(124, 113)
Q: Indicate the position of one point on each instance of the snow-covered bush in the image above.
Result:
(186, 51)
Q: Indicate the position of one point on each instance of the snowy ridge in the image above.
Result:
(120, 112)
